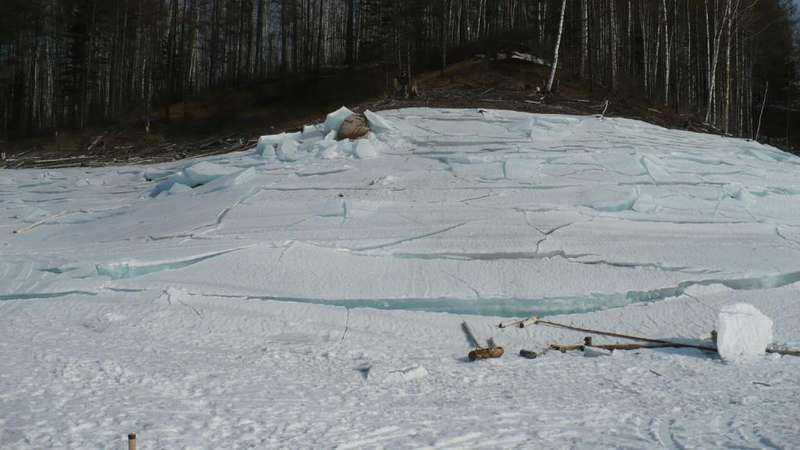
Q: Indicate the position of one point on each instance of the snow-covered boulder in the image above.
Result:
(335, 119)
(743, 332)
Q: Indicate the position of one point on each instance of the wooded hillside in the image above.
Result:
(75, 63)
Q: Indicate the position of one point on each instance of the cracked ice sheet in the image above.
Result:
(726, 248)
(309, 272)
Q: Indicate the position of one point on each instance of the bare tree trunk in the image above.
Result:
(715, 60)
(558, 45)
(666, 53)
(613, 15)
(584, 38)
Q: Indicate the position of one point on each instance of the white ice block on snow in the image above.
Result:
(743, 332)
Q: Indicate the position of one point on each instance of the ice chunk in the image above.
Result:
(743, 332)
(523, 126)
(154, 173)
(377, 124)
(311, 131)
(528, 170)
(345, 147)
(645, 204)
(202, 173)
(406, 374)
(266, 144)
(365, 149)
(609, 200)
(288, 150)
(331, 208)
(330, 151)
(335, 119)
(177, 188)
(231, 180)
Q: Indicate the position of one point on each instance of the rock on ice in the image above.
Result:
(743, 332)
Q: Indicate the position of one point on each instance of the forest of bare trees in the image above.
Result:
(75, 63)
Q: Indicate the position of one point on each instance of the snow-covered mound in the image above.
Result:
(127, 293)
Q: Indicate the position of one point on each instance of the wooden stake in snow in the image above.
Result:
(132, 441)
(558, 44)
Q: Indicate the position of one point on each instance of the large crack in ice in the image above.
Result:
(43, 295)
(405, 240)
(516, 307)
(132, 269)
(492, 256)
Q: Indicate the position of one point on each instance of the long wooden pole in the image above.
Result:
(618, 335)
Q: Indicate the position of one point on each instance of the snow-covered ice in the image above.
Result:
(744, 332)
(308, 293)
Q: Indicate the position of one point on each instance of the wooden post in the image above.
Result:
(132, 441)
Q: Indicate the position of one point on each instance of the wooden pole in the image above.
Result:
(537, 321)
(132, 441)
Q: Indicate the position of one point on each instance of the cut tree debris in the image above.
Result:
(479, 352)
(655, 343)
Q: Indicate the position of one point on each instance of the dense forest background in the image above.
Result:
(71, 64)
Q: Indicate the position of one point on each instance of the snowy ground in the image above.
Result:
(201, 304)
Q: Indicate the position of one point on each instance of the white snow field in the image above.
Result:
(309, 293)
